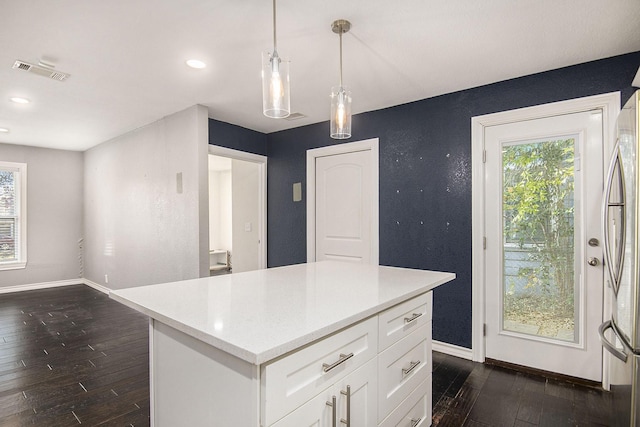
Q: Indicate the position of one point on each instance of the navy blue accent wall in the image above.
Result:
(238, 138)
(425, 176)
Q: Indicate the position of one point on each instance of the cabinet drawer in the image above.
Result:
(399, 321)
(362, 402)
(294, 379)
(415, 410)
(402, 367)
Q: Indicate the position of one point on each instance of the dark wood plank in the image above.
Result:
(502, 395)
(71, 355)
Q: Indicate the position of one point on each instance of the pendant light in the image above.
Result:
(340, 95)
(275, 81)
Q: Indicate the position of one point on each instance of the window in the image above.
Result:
(13, 215)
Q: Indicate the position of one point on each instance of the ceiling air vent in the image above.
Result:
(295, 116)
(42, 69)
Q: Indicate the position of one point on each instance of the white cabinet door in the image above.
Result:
(317, 413)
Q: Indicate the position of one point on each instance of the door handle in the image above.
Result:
(593, 261)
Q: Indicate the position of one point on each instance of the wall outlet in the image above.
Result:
(106, 278)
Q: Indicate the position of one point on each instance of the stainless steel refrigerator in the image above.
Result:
(621, 227)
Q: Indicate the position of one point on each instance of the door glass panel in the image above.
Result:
(539, 223)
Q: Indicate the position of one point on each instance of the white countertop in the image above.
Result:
(260, 315)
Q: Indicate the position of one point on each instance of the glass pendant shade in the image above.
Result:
(340, 112)
(275, 86)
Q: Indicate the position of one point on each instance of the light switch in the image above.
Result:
(297, 191)
(247, 226)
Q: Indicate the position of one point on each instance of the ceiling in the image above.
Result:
(127, 57)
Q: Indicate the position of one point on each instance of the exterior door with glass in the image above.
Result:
(544, 275)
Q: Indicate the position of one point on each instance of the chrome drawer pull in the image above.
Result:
(333, 410)
(411, 367)
(343, 358)
(347, 393)
(413, 317)
(415, 422)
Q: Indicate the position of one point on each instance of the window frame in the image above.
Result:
(21, 193)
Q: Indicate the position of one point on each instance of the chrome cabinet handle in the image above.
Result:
(413, 317)
(347, 393)
(343, 358)
(607, 344)
(333, 410)
(412, 366)
(415, 422)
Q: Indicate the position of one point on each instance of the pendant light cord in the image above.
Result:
(340, 58)
(274, 26)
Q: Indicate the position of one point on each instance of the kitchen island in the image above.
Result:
(319, 342)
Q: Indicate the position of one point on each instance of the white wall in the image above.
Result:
(220, 210)
(139, 228)
(54, 214)
(245, 189)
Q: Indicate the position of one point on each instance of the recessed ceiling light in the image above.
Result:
(4, 130)
(19, 100)
(197, 64)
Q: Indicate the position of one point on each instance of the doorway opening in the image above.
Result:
(237, 211)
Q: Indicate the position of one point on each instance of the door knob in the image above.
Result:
(593, 261)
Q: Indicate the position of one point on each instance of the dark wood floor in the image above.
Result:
(472, 394)
(72, 356)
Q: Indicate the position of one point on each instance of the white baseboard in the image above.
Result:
(45, 285)
(96, 286)
(452, 350)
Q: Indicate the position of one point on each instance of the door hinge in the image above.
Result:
(484, 156)
(484, 243)
(484, 329)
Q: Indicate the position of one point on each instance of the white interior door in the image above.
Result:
(343, 213)
(543, 187)
(342, 206)
(245, 212)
